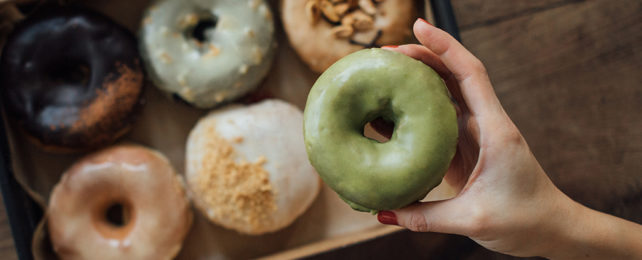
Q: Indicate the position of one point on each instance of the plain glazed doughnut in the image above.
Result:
(247, 168)
(71, 77)
(208, 52)
(363, 86)
(124, 202)
(323, 31)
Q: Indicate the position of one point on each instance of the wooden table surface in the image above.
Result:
(569, 73)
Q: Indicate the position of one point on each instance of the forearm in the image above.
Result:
(594, 235)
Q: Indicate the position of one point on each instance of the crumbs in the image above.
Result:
(240, 192)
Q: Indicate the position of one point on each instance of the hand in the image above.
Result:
(507, 202)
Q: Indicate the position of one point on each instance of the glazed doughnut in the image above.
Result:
(71, 78)
(208, 52)
(363, 86)
(247, 169)
(323, 31)
(124, 202)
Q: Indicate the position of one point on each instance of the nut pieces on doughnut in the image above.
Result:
(323, 31)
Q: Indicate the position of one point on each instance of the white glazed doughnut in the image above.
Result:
(247, 167)
(207, 51)
(123, 202)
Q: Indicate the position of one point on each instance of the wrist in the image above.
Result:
(591, 234)
(566, 230)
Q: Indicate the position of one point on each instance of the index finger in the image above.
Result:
(469, 72)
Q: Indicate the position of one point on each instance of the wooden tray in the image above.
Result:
(24, 212)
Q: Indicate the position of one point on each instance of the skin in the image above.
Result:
(359, 88)
(507, 202)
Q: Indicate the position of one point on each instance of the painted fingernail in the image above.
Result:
(390, 46)
(422, 19)
(387, 217)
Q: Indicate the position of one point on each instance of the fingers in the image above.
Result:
(469, 72)
(421, 53)
(439, 216)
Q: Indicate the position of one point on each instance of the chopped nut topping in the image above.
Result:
(212, 52)
(250, 33)
(341, 8)
(368, 7)
(164, 56)
(342, 31)
(348, 20)
(362, 21)
(243, 69)
(347, 16)
(328, 10)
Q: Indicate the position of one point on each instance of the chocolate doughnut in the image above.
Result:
(71, 78)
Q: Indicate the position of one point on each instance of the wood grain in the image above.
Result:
(480, 13)
(570, 79)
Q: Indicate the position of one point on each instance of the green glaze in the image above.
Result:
(368, 175)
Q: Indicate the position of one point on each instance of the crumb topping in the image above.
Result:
(116, 97)
(236, 191)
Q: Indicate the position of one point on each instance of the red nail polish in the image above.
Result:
(390, 46)
(422, 19)
(387, 217)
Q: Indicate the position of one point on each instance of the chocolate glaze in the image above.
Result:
(71, 77)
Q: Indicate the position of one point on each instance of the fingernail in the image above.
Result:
(387, 217)
(390, 46)
(422, 19)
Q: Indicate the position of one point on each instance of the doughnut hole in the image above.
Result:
(117, 215)
(114, 219)
(70, 72)
(206, 22)
(379, 129)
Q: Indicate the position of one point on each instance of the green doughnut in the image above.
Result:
(367, 174)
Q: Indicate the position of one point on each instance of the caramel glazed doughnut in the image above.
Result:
(210, 51)
(247, 167)
(71, 78)
(124, 202)
(323, 31)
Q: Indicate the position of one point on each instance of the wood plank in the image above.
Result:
(570, 79)
(479, 13)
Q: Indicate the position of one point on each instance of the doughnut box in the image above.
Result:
(29, 173)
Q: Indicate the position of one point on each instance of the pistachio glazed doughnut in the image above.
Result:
(365, 85)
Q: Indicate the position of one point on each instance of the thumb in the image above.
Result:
(436, 216)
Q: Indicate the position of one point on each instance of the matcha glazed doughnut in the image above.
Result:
(372, 83)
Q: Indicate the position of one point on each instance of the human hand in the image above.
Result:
(507, 202)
